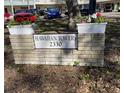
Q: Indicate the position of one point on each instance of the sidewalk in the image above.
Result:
(111, 14)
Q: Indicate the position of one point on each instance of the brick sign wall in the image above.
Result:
(89, 51)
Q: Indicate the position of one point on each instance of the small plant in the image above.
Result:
(81, 19)
(20, 70)
(95, 18)
(100, 19)
(13, 22)
(84, 77)
(76, 63)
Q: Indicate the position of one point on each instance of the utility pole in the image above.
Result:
(11, 3)
(92, 7)
(34, 5)
(28, 4)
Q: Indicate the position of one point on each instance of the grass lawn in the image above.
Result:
(65, 79)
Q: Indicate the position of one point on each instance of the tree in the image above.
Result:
(73, 10)
(73, 7)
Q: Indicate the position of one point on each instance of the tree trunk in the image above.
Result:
(73, 10)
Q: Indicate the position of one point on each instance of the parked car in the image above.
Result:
(84, 9)
(84, 12)
(33, 11)
(53, 13)
(20, 11)
(25, 17)
(41, 12)
(7, 18)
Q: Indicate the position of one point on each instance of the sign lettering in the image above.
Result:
(55, 41)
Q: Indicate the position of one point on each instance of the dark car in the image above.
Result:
(41, 12)
(33, 11)
(20, 11)
(53, 13)
(84, 12)
(84, 9)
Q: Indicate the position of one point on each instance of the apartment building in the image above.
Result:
(103, 5)
(13, 5)
(108, 5)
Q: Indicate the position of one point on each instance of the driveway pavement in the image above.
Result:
(111, 14)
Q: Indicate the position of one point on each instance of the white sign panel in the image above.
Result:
(55, 41)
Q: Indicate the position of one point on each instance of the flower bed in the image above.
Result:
(21, 30)
(91, 27)
(91, 24)
(21, 25)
